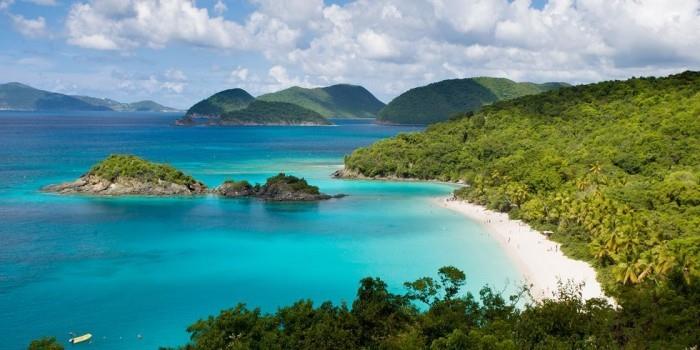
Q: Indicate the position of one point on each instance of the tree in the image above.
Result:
(46, 343)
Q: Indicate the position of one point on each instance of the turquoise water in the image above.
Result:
(119, 267)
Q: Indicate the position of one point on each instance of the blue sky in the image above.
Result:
(179, 51)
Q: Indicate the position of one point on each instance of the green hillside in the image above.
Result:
(613, 169)
(221, 102)
(272, 113)
(16, 96)
(438, 101)
(132, 167)
(336, 101)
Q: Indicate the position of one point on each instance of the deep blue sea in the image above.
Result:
(122, 267)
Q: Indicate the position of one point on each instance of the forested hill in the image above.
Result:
(336, 101)
(438, 101)
(220, 103)
(17, 96)
(20, 97)
(612, 168)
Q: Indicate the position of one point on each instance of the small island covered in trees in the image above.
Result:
(121, 174)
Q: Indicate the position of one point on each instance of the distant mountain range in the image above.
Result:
(438, 101)
(292, 106)
(336, 101)
(17, 96)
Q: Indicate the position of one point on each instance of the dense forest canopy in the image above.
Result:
(438, 101)
(127, 166)
(221, 102)
(612, 168)
(264, 112)
(436, 314)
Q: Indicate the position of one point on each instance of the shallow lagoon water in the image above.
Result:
(119, 267)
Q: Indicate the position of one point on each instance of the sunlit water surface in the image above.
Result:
(122, 267)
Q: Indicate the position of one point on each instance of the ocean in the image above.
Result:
(136, 271)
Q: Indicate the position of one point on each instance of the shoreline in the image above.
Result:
(538, 259)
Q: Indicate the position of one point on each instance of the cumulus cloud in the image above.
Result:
(239, 74)
(112, 24)
(375, 45)
(291, 11)
(32, 28)
(391, 45)
(171, 81)
(220, 7)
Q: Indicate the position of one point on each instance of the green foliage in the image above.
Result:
(442, 100)
(221, 102)
(612, 168)
(234, 185)
(46, 343)
(294, 183)
(262, 112)
(132, 167)
(340, 101)
(604, 165)
(380, 319)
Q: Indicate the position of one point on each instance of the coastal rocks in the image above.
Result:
(277, 188)
(232, 188)
(123, 174)
(346, 173)
(95, 185)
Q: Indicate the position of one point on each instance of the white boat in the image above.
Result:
(80, 339)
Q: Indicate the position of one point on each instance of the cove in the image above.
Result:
(122, 267)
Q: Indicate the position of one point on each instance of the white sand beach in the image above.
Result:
(540, 260)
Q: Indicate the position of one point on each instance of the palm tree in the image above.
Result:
(626, 273)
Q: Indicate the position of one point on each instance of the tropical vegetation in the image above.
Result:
(438, 101)
(46, 343)
(294, 183)
(127, 166)
(437, 314)
(221, 102)
(613, 169)
(277, 113)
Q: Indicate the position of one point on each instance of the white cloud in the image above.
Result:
(172, 81)
(43, 2)
(291, 11)
(32, 28)
(4, 4)
(391, 45)
(376, 46)
(112, 24)
(239, 74)
(175, 75)
(281, 79)
(220, 7)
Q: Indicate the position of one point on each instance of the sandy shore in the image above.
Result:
(540, 260)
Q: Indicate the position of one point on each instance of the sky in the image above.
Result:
(180, 51)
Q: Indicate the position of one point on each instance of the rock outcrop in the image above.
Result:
(277, 188)
(119, 175)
